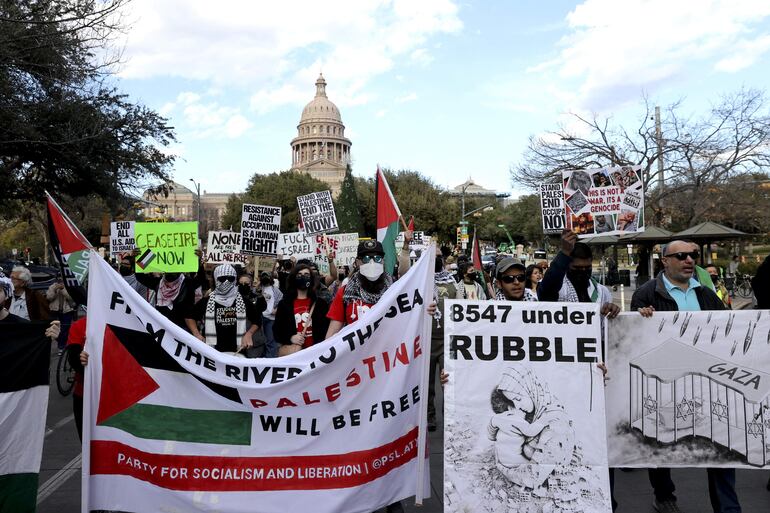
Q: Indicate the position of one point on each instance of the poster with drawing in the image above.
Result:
(689, 389)
(524, 408)
(605, 201)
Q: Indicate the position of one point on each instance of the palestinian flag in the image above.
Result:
(71, 249)
(476, 260)
(25, 353)
(388, 216)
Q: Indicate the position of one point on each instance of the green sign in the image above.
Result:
(166, 247)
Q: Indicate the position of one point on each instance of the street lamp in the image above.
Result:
(198, 191)
(508, 234)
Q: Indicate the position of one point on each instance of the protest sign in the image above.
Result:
(122, 237)
(342, 247)
(260, 228)
(419, 242)
(689, 389)
(264, 265)
(225, 248)
(605, 201)
(524, 408)
(295, 244)
(166, 247)
(172, 424)
(317, 213)
(552, 207)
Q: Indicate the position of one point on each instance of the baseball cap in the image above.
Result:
(370, 247)
(508, 263)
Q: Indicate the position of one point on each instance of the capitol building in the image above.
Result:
(321, 148)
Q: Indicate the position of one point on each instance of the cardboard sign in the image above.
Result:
(605, 201)
(260, 228)
(122, 237)
(225, 248)
(263, 265)
(342, 247)
(317, 213)
(552, 207)
(166, 247)
(296, 245)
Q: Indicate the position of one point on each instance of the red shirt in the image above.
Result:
(77, 336)
(346, 314)
(302, 318)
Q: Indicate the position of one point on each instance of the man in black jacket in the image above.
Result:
(676, 289)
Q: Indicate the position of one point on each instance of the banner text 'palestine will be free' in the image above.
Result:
(172, 423)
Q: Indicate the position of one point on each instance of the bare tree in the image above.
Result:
(700, 154)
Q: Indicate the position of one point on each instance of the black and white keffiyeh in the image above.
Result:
(528, 296)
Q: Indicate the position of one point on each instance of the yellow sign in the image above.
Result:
(166, 247)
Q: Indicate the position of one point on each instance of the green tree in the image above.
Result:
(278, 190)
(63, 128)
(346, 206)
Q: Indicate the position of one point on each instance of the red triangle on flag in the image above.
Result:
(411, 224)
(70, 238)
(124, 381)
(387, 209)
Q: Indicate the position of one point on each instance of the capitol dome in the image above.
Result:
(320, 108)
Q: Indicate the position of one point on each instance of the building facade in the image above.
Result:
(181, 204)
(321, 148)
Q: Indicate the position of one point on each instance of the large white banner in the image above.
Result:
(170, 424)
(524, 408)
(689, 389)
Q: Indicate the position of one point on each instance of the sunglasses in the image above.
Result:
(682, 255)
(508, 278)
(223, 279)
(369, 258)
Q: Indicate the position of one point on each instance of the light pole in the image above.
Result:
(198, 191)
(508, 234)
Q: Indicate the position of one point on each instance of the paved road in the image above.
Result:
(59, 490)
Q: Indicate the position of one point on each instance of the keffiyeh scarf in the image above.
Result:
(355, 292)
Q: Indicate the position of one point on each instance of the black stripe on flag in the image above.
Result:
(148, 353)
(146, 258)
(25, 353)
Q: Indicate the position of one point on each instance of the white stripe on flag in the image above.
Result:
(22, 430)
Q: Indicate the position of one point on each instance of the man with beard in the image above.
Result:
(676, 289)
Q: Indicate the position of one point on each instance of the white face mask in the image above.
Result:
(371, 271)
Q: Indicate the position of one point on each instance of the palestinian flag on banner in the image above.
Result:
(476, 259)
(388, 216)
(71, 249)
(25, 353)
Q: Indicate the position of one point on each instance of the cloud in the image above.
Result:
(421, 57)
(276, 50)
(614, 50)
(407, 98)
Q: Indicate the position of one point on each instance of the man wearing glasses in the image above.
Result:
(511, 279)
(676, 289)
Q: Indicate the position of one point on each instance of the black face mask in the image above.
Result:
(302, 282)
(340, 276)
(171, 276)
(244, 289)
(266, 282)
(580, 279)
(125, 270)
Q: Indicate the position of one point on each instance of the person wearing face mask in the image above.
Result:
(126, 270)
(225, 315)
(469, 287)
(300, 317)
(272, 296)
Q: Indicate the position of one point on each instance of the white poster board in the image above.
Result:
(260, 228)
(604, 201)
(524, 408)
(295, 244)
(342, 247)
(122, 238)
(689, 389)
(317, 213)
(552, 207)
(224, 247)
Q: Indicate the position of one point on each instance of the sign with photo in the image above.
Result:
(260, 229)
(225, 248)
(552, 207)
(317, 213)
(689, 389)
(122, 237)
(524, 408)
(605, 201)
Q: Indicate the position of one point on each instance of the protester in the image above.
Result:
(225, 314)
(246, 290)
(283, 268)
(342, 274)
(511, 278)
(6, 290)
(24, 302)
(445, 288)
(127, 270)
(300, 318)
(675, 289)
(534, 275)
(319, 280)
(62, 307)
(174, 293)
(719, 286)
(272, 296)
(732, 267)
(469, 287)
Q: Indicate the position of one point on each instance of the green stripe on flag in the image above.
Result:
(389, 246)
(156, 422)
(18, 493)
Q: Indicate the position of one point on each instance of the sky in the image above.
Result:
(450, 89)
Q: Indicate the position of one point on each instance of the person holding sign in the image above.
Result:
(511, 278)
(225, 314)
(300, 318)
(676, 289)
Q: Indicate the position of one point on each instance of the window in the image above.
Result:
(314, 130)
